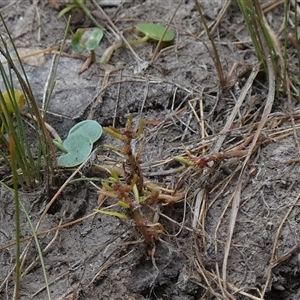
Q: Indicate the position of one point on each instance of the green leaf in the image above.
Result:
(79, 143)
(86, 39)
(13, 98)
(89, 128)
(124, 204)
(76, 41)
(155, 31)
(79, 148)
(95, 37)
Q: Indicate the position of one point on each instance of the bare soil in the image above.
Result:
(180, 97)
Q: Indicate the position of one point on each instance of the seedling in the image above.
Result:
(87, 39)
(81, 5)
(130, 190)
(155, 32)
(76, 4)
(151, 32)
(79, 143)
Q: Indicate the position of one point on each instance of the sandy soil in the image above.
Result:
(180, 97)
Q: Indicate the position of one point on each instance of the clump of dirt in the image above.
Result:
(102, 257)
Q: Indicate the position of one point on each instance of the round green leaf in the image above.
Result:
(86, 39)
(155, 31)
(77, 44)
(89, 128)
(95, 36)
(79, 148)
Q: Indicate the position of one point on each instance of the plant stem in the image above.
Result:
(216, 57)
(93, 56)
(110, 50)
(59, 145)
(88, 62)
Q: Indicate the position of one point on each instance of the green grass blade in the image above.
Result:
(256, 25)
(40, 252)
(31, 162)
(17, 217)
(38, 248)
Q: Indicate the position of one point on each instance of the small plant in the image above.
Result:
(131, 192)
(87, 39)
(81, 5)
(151, 32)
(72, 5)
(79, 143)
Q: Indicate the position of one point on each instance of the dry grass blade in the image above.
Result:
(275, 244)
(44, 232)
(215, 56)
(288, 83)
(266, 112)
(154, 55)
(236, 108)
(222, 13)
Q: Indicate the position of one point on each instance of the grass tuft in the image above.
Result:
(263, 38)
(33, 152)
(26, 150)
